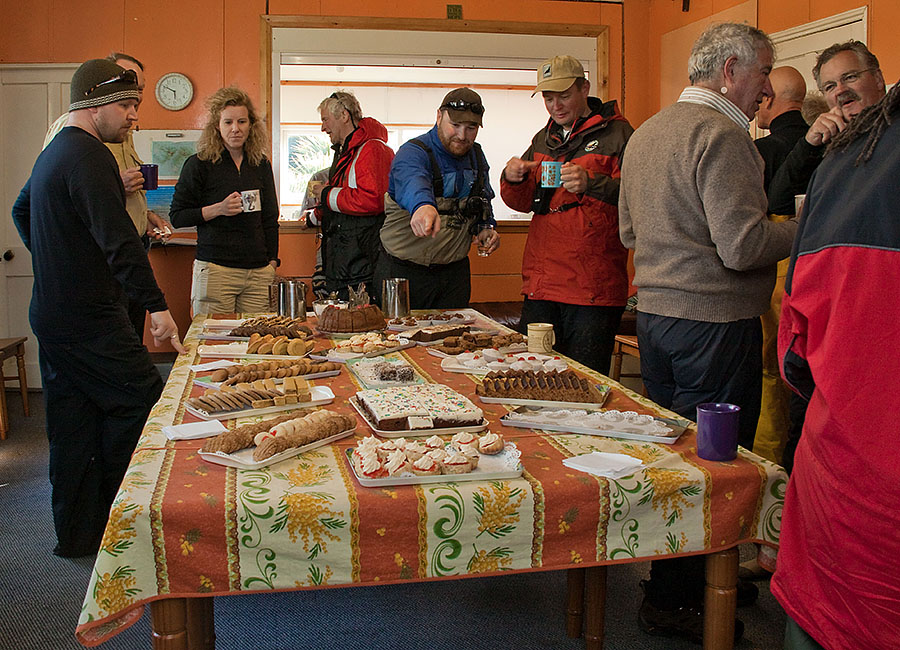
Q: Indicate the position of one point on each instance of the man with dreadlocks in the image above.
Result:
(840, 550)
(849, 76)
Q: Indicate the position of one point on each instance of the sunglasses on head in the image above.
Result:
(460, 105)
(128, 75)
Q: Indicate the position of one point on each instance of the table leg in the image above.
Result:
(201, 624)
(4, 416)
(575, 604)
(23, 380)
(169, 624)
(721, 600)
(594, 607)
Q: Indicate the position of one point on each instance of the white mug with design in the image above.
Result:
(250, 200)
(541, 338)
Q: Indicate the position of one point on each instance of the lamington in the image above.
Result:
(418, 407)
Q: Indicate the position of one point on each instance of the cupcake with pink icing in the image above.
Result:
(456, 463)
(415, 450)
(425, 466)
(435, 442)
(438, 455)
(490, 443)
(464, 439)
(386, 448)
(397, 464)
(371, 467)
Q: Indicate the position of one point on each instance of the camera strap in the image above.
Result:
(437, 179)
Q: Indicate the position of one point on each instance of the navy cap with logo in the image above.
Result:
(463, 105)
(100, 81)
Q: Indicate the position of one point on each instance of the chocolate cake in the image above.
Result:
(353, 319)
(436, 332)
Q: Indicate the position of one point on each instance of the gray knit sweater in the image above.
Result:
(692, 206)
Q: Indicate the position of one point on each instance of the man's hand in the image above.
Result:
(517, 169)
(229, 206)
(488, 240)
(132, 179)
(826, 126)
(574, 178)
(425, 222)
(163, 328)
(314, 190)
(157, 227)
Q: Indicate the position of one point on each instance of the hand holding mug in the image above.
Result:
(231, 205)
(574, 178)
(132, 179)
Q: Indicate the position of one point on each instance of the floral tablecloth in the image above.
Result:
(182, 527)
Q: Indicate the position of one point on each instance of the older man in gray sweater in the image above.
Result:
(692, 207)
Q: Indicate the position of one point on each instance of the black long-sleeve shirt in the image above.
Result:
(247, 240)
(784, 131)
(85, 251)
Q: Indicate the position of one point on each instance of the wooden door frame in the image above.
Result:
(267, 23)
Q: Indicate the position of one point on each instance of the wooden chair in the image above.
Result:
(622, 346)
(9, 348)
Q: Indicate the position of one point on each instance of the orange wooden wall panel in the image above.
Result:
(25, 31)
(78, 35)
(172, 268)
(297, 252)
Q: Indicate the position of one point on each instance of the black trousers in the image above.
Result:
(685, 363)
(98, 393)
(438, 286)
(136, 312)
(583, 332)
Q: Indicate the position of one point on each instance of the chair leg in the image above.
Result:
(617, 362)
(4, 415)
(23, 380)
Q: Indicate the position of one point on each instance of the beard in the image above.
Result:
(455, 146)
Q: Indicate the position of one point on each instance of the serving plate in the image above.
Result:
(413, 433)
(206, 382)
(504, 465)
(361, 370)
(243, 459)
(541, 403)
(319, 394)
(574, 424)
(238, 350)
(342, 357)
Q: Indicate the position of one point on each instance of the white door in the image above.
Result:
(800, 46)
(31, 97)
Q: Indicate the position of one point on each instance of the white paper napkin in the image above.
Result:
(194, 430)
(600, 463)
(212, 365)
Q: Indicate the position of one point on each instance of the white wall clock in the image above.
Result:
(174, 91)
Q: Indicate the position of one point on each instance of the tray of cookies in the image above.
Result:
(477, 341)
(264, 347)
(371, 344)
(425, 320)
(292, 328)
(258, 398)
(260, 444)
(627, 425)
(466, 457)
(379, 372)
(530, 388)
(276, 369)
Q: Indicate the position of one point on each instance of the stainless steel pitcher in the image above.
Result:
(395, 297)
(290, 297)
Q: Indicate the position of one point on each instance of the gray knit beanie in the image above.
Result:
(100, 81)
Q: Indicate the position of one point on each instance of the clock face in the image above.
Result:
(174, 91)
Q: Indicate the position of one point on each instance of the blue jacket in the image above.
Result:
(410, 183)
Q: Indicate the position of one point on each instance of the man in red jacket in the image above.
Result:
(573, 270)
(351, 206)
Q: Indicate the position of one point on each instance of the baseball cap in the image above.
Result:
(99, 81)
(463, 105)
(557, 74)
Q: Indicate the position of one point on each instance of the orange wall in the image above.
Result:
(663, 16)
(216, 42)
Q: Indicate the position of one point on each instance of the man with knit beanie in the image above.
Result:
(692, 206)
(99, 383)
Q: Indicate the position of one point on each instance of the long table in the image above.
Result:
(183, 530)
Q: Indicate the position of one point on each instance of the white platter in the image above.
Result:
(414, 433)
(450, 363)
(319, 394)
(216, 324)
(345, 335)
(515, 348)
(631, 432)
(504, 465)
(205, 382)
(243, 459)
(468, 320)
(343, 357)
(539, 403)
(238, 350)
(359, 370)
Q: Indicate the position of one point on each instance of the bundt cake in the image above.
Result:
(353, 319)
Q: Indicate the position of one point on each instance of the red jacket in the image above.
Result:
(359, 178)
(574, 256)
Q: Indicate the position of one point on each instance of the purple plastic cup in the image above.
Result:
(717, 430)
(150, 172)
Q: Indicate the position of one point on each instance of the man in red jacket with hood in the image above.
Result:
(351, 205)
(574, 267)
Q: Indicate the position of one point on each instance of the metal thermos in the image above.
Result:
(395, 297)
(290, 294)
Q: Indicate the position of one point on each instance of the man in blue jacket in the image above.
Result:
(438, 198)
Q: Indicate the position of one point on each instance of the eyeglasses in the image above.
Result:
(846, 79)
(129, 76)
(460, 105)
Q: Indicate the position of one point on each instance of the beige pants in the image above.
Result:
(219, 289)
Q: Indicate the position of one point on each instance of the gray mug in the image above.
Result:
(395, 297)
